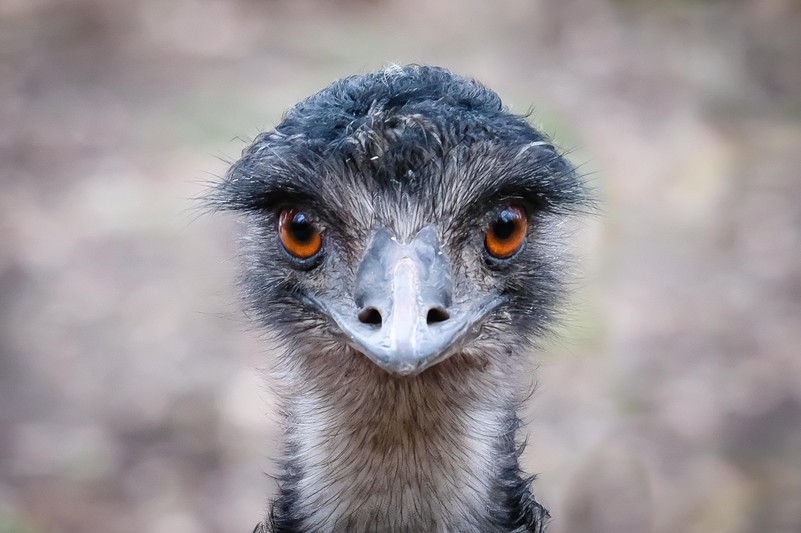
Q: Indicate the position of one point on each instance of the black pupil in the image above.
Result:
(505, 226)
(301, 228)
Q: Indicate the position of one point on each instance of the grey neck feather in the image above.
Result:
(368, 452)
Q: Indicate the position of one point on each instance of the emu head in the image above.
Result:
(403, 217)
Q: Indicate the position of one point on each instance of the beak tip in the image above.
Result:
(402, 365)
(406, 370)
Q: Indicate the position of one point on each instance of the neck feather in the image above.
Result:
(369, 452)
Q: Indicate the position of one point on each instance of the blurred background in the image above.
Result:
(132, 394)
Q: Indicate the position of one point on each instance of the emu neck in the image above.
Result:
(369, 452)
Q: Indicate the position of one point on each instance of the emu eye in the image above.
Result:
(507, 233)
(297, 233)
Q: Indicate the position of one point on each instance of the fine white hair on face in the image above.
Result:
(531, 145)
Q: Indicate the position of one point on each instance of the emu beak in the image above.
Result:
(403, 292)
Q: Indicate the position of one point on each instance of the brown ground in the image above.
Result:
(130, 396)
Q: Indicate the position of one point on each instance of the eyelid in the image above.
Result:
(311, 214)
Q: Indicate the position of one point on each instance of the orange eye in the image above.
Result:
(507, 233)
(297, 233)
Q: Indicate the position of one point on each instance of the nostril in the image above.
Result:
(370, 315)
(436, 314)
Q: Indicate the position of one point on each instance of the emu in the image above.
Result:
(402, 247)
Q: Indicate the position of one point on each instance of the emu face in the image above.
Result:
(403, 216)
